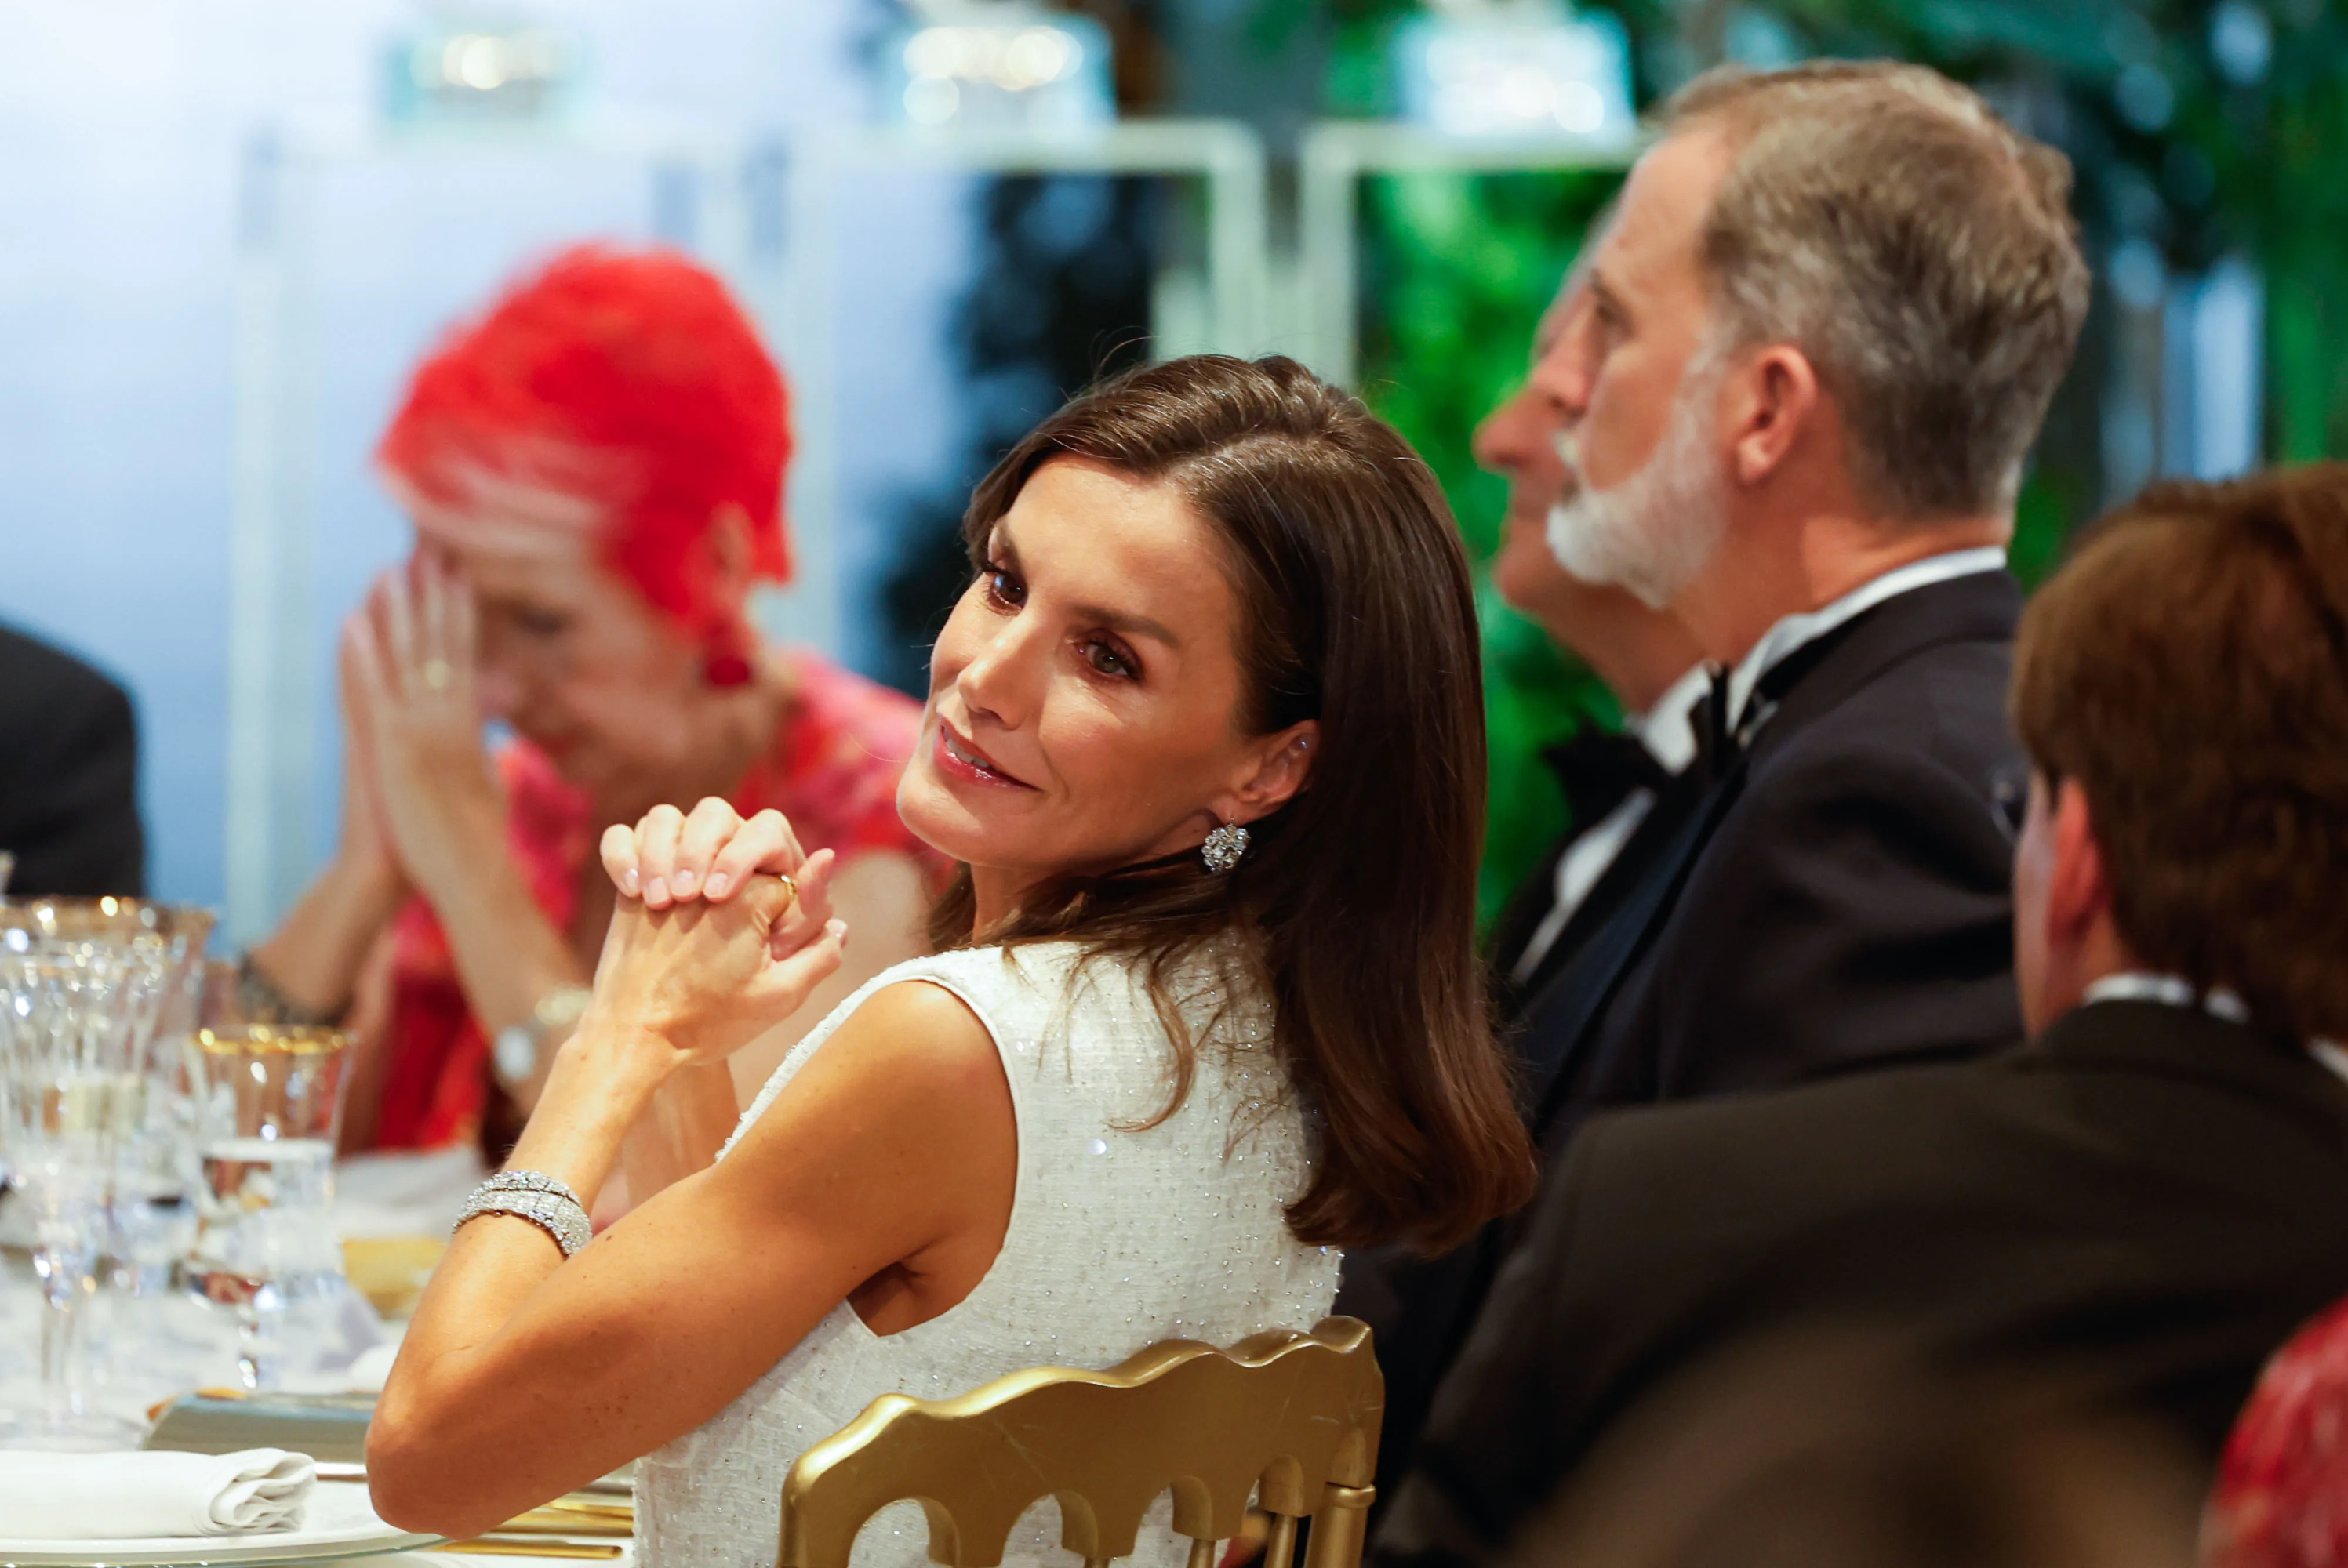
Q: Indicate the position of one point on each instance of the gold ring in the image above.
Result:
(436, 674)
(789, 887)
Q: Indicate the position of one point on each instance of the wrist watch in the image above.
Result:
(516, 1052)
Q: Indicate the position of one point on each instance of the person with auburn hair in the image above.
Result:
(594, 470)
(2134, 1209)
(1204, 734)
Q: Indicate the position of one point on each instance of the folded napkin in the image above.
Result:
(134, 1496)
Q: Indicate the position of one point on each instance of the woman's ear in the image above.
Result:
(1282, 764)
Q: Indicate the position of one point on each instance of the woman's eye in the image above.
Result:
(540, 623)
(1106, 659)
(1004, 589)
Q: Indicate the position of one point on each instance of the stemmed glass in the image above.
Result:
(69, 1085)
(271, 1099)
(83, 984)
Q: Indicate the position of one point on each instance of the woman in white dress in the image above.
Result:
(1205, 733)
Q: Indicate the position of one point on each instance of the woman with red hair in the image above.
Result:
(594, 471)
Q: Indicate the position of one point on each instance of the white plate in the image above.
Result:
(337, 1523)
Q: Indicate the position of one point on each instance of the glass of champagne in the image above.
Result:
(270, 1109)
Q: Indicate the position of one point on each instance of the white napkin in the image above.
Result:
(134, 1496)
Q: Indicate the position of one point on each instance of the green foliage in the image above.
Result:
(1460, 269)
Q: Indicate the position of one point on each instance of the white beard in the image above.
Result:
(1653, 532)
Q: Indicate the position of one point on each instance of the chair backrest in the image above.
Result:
(1287, 1420)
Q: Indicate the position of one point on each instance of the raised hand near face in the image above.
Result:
(709, 968)
(409, 652)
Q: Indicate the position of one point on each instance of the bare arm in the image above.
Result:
(885, 1174)
(412, 657)
(883, 899)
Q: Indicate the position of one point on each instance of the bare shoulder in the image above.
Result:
(897, 1136)
(917, 1024)
(911, 1055)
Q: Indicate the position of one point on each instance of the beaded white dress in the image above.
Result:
(1118, 1239)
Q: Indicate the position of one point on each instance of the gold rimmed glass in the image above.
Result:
(270, 1109)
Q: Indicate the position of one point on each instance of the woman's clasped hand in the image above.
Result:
(723, 929)
(417, 787)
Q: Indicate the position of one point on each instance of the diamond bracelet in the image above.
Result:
(536, 1197)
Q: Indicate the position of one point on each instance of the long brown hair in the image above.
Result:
(1356, 902)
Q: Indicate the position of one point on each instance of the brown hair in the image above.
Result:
(1355, 906)
(2188, 667)
(1919, 249)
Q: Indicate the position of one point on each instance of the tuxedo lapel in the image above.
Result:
(1564, 1017)
(1571, 1005)
(1661, 828)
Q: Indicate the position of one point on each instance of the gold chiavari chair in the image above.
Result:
(1287, 1420)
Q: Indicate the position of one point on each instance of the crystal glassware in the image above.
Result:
(155, 1171)
(269, 1111)
(68, 1082)
(83, 985)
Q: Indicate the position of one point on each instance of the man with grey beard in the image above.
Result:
(1823, 330)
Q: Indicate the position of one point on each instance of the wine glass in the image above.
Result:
(86, 1112)
(271, 1109)
(68, 1083)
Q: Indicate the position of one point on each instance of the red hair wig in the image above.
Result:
(629, 378)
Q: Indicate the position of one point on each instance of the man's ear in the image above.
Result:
(1284, 765)
(1770, 402)
(2078, 893)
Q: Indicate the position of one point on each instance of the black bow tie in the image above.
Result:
(1599, 769)
(1717, 744)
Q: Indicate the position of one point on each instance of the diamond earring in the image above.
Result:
(1223, 847)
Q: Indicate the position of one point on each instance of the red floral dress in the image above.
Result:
(2282, 1499)
(833, 772)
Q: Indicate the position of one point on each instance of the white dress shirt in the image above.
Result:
(2177, 992)
(1668, 732)
(1795, 632)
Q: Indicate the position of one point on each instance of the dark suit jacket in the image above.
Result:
(68, 774)
(1842, 899)
(2147, 1201)
(1419, 1309)
(1676, 798)
(1839, 898)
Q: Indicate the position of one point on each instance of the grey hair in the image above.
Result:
(1917, 249)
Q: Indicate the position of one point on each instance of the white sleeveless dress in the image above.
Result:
(1118, 1239)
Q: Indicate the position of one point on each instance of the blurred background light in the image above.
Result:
(1515, 68)
(1000, 63)
(2241, 41)
(468, 69)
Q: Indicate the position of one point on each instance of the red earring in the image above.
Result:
(725, 656)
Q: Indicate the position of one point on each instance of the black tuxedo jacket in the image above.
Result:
(68, 774)
(1841, 899)
(1837, 897)
(1676, 797)
(1419, 1309)
(2146, 1201)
